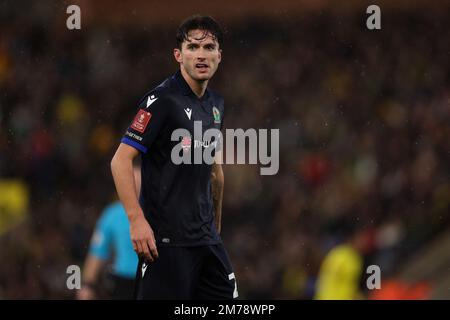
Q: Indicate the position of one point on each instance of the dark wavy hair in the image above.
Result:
(204, 23)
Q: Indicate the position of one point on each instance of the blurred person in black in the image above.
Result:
(176, 233)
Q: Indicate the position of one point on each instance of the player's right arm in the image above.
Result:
(139, 138)
(141, 233)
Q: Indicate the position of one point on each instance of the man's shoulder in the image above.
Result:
(162, 93)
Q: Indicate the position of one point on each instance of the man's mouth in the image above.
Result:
(201, 66)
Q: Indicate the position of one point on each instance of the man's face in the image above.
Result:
(199, 55)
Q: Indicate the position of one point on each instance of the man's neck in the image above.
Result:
(198, 87)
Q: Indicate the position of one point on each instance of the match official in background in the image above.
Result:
(111, 239)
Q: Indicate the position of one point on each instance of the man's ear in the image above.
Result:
(177, 55)
(220, 55)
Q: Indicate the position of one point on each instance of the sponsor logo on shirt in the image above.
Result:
(186, 144)
(205, 144)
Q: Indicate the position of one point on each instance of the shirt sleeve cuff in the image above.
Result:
(134, 144)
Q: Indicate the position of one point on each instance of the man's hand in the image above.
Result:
(143, 238)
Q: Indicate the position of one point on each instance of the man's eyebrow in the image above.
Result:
(209, 44)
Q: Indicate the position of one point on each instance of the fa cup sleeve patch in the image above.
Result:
(141, 120)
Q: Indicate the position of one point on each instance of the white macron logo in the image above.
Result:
(188, 112)
(144, 268)
(150, 100)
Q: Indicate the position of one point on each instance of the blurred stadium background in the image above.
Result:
(364, 136)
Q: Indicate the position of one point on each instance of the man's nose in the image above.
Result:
(201, 54)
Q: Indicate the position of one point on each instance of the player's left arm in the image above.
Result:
(217, 183)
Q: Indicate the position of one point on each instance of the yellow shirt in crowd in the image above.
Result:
(340, 274)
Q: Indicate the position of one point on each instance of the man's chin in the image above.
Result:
(202, 77)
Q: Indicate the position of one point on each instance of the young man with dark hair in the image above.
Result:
(175, 225)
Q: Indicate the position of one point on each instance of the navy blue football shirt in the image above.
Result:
(176, 198)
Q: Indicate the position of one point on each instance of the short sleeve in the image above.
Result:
(147, 123)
